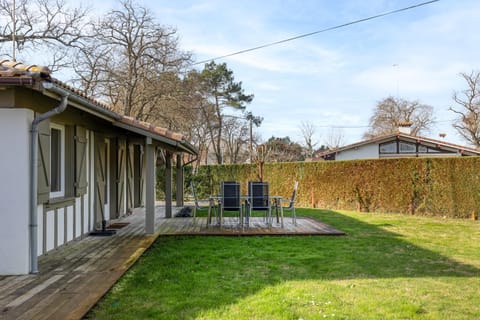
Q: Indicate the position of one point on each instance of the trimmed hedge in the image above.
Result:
(425, 186)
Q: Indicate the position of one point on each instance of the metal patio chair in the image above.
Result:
(199, 204)
(230, 199)
(291, 203)
(258, 200)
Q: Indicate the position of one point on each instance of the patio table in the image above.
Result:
(276, 203)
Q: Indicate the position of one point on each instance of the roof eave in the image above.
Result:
(175, 144)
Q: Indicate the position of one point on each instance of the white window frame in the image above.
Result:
(61, 192)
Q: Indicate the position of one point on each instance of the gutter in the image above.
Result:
(33, 227)
(49, 86)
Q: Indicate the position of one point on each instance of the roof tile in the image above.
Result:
(13, 69)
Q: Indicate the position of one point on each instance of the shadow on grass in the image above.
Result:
(185, 276)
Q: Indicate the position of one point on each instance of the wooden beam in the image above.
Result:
(168, 184)
(150, 187)
(179, 194)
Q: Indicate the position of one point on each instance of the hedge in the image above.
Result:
(424, 186)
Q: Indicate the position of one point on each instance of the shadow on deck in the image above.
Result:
(75, 276)
(257, 227)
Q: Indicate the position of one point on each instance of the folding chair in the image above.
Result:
(230, 199)
(197, 201)
(291, 203)
(258, 200)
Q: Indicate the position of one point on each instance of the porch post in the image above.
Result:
(168, 185)
(179, 181)
(150, 187)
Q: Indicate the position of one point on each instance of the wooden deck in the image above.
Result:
(75, 276)
(257, 226)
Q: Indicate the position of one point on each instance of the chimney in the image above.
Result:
(405, 127)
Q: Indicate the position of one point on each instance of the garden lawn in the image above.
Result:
(389, 266)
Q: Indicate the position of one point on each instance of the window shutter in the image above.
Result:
(80, 161)
(130, 175)
(120, 175)
(69, 161)
(100, 178)
(43, 187)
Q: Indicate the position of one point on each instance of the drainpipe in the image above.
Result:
(33, 179)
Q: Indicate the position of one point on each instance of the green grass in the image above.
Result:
(389, 266)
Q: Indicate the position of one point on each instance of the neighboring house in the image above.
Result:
(68, 163)
(397, 145)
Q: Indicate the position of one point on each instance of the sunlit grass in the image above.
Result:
(389, 266)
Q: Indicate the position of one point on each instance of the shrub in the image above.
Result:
(425, 186)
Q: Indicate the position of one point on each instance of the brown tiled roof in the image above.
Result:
(13, 68)
(20, 74)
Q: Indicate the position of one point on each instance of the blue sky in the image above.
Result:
(332, 79)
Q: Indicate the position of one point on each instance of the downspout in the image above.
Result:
(34, 179)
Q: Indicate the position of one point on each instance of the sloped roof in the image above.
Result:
(387, 137)
(39, 77)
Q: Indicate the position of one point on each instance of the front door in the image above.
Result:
(102, 180)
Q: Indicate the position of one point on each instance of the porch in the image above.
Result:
(75, 276)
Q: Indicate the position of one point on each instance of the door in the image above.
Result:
(119, 172)
(100, 183)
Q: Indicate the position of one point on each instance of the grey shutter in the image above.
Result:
(80, 161)
(43, 189)
(120, 175)
(69, 161)
(130, 176)
(100, 178)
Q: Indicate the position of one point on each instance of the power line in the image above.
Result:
(317, 32)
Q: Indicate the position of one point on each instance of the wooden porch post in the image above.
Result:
(150, 187)
(168, 185)
(179, 181)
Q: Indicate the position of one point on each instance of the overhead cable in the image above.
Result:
(317, 32)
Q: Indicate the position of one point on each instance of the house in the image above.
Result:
(70, 164)
(397, 145)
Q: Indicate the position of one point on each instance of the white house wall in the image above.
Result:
(58, 224)
(369, 151)
(14, 188)
(57, 227)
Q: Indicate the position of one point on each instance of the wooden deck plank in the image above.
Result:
(74, 277)
(258, 226)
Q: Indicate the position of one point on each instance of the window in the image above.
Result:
(406, 147)
(422, 149)
(389, 147)
(57, 161)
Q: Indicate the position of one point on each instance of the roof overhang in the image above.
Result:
(56, 91)
(172, 143)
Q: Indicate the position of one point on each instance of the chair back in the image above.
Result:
(230, 195)
(294, 195)
(258, 195)
(194, 194)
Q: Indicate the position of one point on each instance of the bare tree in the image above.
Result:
(468, 100)
(308, 131)
(42, 25)
(235, 139)
(132, 61)
(390, 112)
(335, 138)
